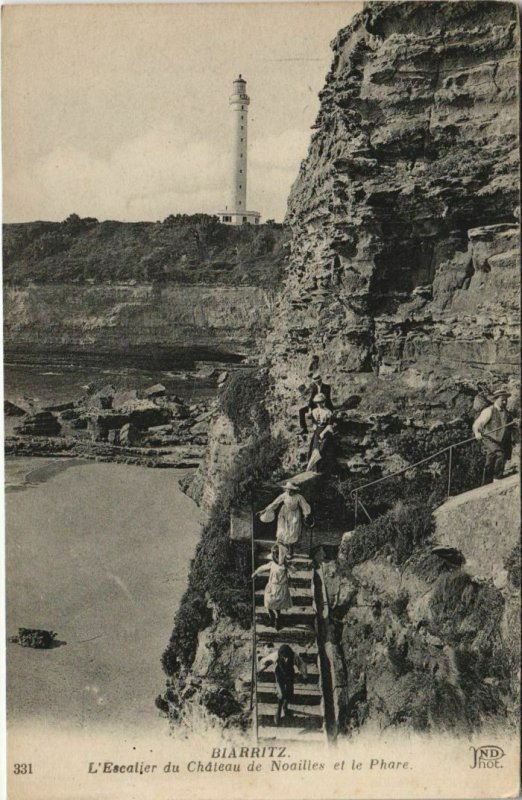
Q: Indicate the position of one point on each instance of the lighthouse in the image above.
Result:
(236, 212)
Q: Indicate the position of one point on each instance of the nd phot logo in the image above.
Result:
(487, 757)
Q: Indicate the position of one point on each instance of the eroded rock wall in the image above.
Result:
(122, 318)
(404, 268)
(433, 644)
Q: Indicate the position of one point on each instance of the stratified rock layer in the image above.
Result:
(405, 250)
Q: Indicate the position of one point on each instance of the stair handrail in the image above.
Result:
(253, 689)
(449, 448)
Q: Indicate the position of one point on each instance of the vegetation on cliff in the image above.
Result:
(220, 572)
(181, 249)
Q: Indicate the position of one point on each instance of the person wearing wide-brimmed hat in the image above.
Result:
(493, 429)
(323, 433)
(293, 511)
(318, 387)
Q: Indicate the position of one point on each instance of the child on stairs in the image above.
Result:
(277, 591)
(285, 660)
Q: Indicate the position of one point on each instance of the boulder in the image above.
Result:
(103, 398)
(42, 423)
(123, 397)
(113, 436)
(157, 390)
(61, 407)
(12, 410)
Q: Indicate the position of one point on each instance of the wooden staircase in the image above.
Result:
(306, 719)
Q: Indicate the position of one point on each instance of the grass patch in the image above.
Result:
(395, 533)
(512, 565)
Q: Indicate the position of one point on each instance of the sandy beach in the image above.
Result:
(98, 553)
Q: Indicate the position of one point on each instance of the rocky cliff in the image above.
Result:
(114, 287)
(125, 319)
(403, 274)
(432, 641)
(403, 280)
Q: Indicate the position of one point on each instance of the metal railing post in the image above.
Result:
(450, 464)
(356, 506)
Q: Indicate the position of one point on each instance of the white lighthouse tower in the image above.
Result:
(236, 212)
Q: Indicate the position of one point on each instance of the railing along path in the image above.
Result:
(449, 449)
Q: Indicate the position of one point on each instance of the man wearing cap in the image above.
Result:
(493, 428)
(318, 387)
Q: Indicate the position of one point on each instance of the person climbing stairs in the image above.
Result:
(304, 720)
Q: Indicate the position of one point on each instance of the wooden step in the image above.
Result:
(296, 615)
(311, 677)
(299, 578)
(308, 652)
(295, 633)
(303, 695)
(285, 733)
(302, 717)
(264, 546)
(301, 596)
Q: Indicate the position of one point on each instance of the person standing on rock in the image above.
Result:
(323, 434)
(318, 387)
(285, 660)
(293, 512)
(493, 428)
(277, 591)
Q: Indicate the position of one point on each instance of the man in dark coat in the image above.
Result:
(318, 387)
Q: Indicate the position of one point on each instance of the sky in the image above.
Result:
(121, 112)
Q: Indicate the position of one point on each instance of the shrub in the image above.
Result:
(400, 602)
(193, 616)
(428, 482)
(464, 611)
(242, 400)
(221, 568)
(396, 533)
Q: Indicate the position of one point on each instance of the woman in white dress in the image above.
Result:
(293, 511)
(277, 590)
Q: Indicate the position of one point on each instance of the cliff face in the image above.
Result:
(187, 282)
(403, 273)
(435, 643)
(124, 318)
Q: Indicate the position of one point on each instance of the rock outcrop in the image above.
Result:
(403, 282)
(435, 643)
(403, 273)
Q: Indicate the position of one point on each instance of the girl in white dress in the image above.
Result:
(294, 509)
(277, 591)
